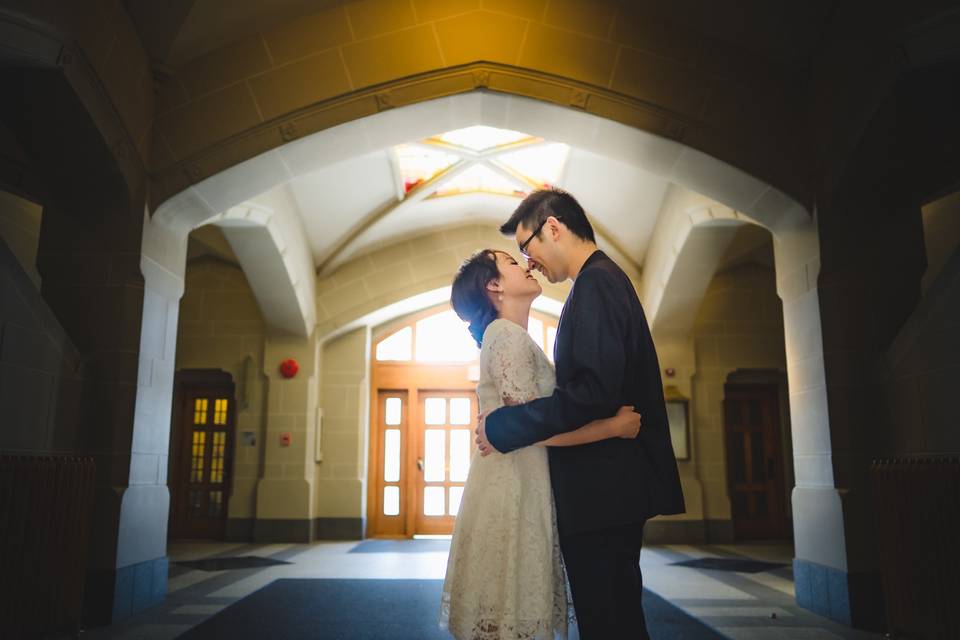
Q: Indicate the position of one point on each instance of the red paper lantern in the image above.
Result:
(289, 368)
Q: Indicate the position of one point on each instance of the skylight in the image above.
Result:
(541, 164)
(481, 138)
(479, 178)
(493, 161)
(418, 163)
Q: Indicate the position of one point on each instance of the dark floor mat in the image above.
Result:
(740, 565)
(225, 564)
(289, 609)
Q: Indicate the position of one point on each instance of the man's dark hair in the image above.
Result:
(543, 203)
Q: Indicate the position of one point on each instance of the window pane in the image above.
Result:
(456, 494)
(551, 340)
(478, 178)
(399, 346)
(481, 137)
(459, 454)
(418, 164)
(435, 411)
(445, 338)
(433, 501)
(459, 410)
(391, 456)
(542, 164)
(434, 443)
(394, 405)
(391, 501)
(535, 329)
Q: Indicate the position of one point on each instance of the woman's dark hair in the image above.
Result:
(469, 293)
(543, 203)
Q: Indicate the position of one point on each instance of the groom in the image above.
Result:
(605, 358)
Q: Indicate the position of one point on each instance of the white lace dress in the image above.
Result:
(505, 578)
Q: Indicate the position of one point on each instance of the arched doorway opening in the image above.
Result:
(423, 408)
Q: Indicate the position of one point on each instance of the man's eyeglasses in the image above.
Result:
(525, 243)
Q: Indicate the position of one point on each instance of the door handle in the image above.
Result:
(420, 464)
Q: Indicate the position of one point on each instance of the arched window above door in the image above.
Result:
(441, 337)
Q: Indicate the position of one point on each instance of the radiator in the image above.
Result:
(45, 508)
(918, 514)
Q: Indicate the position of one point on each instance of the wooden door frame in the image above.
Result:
(212, 379)
(410, 378)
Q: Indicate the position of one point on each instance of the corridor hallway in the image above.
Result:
(756, 601)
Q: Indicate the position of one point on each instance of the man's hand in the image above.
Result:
(482, 443)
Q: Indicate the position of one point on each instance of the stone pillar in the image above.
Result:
(285, 493)
(342, 476)
(822, 576)
(89, 258)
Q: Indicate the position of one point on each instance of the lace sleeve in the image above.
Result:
(512, 366)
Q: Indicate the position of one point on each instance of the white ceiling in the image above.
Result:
(349, 196)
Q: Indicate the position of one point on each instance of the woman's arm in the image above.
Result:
(625, 424)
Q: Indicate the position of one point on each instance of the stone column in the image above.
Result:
(285, 493)
(90, 261)
(821, 572)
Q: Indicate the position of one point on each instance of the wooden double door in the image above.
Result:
(421, 446)
(755, 461)
(201, 448)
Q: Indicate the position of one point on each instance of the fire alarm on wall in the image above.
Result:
(285, 439)
(289, 368)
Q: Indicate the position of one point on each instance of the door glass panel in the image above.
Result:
(535, 329)
(200, 411)
(391, 501)
(738, 462)
(761, 504)
(196, 502)
(216, 504)
(220, 411)
(216, 460)
(394, 405)
(433, 501)
(459, 410)
(434, 443)
(757, 455)
(435, 411)
(459, 454)
(391, 455)
(456, 494)
(197, 455)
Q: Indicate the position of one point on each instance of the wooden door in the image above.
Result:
(755, 461)
(201, 458)
(389, 473)
(445, 445)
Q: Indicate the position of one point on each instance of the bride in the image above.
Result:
(505, 577)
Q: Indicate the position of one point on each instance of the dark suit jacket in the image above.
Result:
(605, 359)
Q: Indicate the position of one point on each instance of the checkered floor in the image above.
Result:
(756, 601)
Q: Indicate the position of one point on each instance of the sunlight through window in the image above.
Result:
(444, 338)
(481, 138)
(540, 164)
(418, 164)
(479, 179)
(399, 346)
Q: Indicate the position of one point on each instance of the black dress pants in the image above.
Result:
(604, 571)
